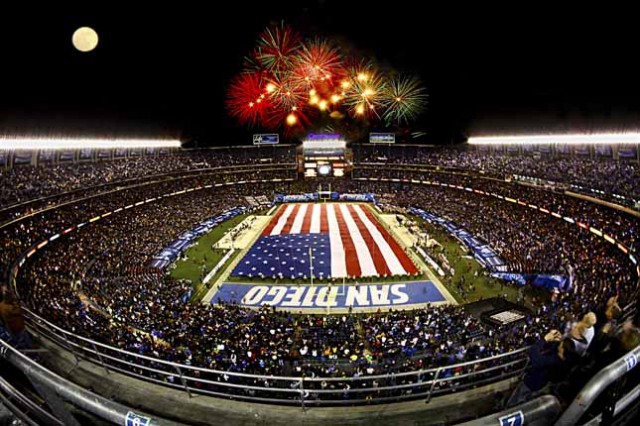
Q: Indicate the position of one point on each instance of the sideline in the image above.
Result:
(251, 235)
(218, 266)
(397, 233)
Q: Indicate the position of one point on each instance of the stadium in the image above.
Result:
(321, 260)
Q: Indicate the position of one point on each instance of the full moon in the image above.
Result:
(85, 39)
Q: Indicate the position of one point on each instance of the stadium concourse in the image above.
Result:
(78, 241)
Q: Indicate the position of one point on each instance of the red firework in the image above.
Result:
(290, 119)
(247, 100)
(318, 64)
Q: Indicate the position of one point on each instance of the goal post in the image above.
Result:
(324, 195)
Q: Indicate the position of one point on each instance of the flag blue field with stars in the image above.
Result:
(287, 256)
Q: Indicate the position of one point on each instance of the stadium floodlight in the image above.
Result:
(566, 139)
(26, 143)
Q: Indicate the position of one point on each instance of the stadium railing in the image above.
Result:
(606, 379)
(84, 399)
(288, 390)
(541, 411)
(23, 407)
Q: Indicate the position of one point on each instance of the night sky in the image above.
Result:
(163, 70)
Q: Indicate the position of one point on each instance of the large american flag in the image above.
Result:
(334, 240)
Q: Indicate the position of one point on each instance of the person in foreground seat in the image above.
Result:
(550, 361)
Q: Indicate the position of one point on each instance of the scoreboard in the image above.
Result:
(324, 154)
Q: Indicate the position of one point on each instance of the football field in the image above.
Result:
(326, 257)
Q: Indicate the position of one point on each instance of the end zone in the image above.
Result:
(332, 297)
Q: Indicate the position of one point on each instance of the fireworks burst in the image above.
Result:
(290, 84)
(286, 93)
(318, 63)
(246, 100)
(364, 94)
(405, 99)
(277, 48)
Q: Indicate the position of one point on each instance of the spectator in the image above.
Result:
(549, 362)
(582, 333)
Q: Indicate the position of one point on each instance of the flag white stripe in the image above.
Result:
(315, 219)
(387, 252)
(282, 221)
(338, 265)
(367, 267)
(297, 222)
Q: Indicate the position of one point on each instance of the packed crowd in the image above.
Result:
(23, 183)
(186, 180)
(530, 242)
(622, 226)
(603, 173)
(16, 238)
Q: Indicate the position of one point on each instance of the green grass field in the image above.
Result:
(485, 287)
(201, 258)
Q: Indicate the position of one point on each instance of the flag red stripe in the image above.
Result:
(287, 226)
(406, 263)
(306, 223)
(324, 223)
(350, 252)
(274, 221)
(377, 256)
